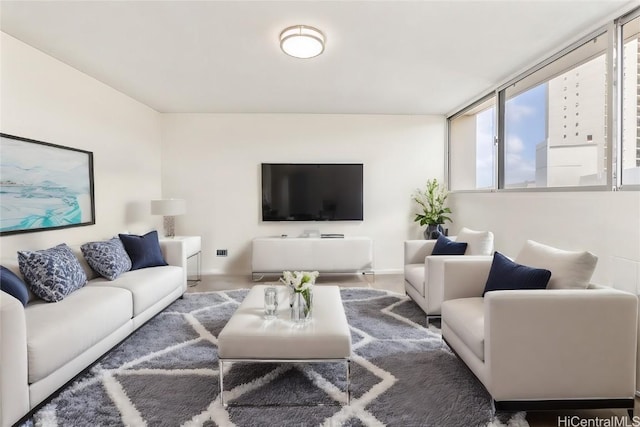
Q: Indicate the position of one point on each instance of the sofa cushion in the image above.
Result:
(108, 258)
(144, 251)
(445, 246)
(414, 274)
(13, 285)
(569, 269)
(57, 333)
(53, 273)
(465, 317)
(148, 285)
(478, 242)
(508, 275)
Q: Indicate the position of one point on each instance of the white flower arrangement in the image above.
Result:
(299, 281)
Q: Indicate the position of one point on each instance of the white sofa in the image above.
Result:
(542, 349)
(423, 271)
(44, 345)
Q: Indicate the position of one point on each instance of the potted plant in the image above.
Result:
(431, 200)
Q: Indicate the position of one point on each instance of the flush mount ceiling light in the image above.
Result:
(302, 41)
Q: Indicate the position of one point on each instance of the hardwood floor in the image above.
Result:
(395, 283)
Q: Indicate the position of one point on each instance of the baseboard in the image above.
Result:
(389, 271)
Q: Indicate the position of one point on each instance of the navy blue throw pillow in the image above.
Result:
(508, 275)
(109, 259)
(144, 251)
(445, 246)
(13, 285)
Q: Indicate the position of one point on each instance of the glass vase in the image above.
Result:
(302, 306)
(433, 231)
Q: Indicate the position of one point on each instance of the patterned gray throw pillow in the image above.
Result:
(108, 259)
(53, 273)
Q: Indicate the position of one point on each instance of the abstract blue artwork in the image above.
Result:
(44, 186)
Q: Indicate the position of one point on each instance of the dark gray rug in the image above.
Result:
(166, 374)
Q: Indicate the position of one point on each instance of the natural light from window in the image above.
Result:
(630, 103)
(555, 123)
(571, 122)
(472, 148)
(525, 134)
(485, 148)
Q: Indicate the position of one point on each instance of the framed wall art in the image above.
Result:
(44, 186)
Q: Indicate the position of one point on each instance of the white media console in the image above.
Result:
(326, 255)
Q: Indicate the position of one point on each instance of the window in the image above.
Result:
(538, 150)
(553, 123)
(630, 104)
(471, 147)
(526, 138)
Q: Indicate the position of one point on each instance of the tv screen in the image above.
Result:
(311, 192)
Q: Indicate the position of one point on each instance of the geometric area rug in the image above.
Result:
(166, 374)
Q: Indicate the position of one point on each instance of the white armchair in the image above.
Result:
(542, 349)
(423, 272)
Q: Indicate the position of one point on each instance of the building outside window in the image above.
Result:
(555, 122)
(552, 122)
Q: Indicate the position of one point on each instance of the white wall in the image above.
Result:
(213, 161)
(46, 100)
(605, 223)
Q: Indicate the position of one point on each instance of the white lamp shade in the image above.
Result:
(168, 207)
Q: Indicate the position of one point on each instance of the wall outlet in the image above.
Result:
(221, 252)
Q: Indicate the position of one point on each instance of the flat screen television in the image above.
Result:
(312, 192)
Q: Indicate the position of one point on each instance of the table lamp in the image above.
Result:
(169, 208)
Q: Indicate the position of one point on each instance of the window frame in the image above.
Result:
(612, 30)
(477, 102)
(618, 49)
(600, 32)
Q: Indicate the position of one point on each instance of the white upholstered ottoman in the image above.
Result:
(249, 337)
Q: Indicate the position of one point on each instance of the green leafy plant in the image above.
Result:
(431, 200)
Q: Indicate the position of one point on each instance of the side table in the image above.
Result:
(193, 246)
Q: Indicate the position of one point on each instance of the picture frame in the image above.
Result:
(44, 186)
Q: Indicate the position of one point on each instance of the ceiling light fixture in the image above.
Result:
(302, 41)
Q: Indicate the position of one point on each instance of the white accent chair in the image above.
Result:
(572, 345)
(423, 272)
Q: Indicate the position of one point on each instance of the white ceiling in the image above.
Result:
(381, 57)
